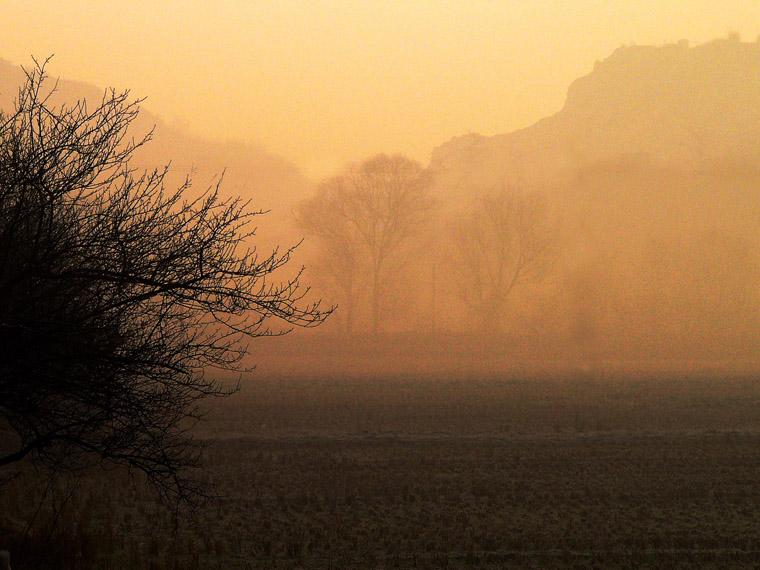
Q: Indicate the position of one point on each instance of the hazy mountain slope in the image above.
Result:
(685, 107)
(652, 170)
(269, 180)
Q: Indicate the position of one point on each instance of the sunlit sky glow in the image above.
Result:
(324, 82)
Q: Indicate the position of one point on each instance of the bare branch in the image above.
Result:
(116, 294)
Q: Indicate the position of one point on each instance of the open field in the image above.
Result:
(419, 472)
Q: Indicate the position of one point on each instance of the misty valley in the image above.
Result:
(540, 350)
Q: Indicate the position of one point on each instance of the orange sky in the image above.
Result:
(324, 82)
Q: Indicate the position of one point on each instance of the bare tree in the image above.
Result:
(505, 240)
(117, 296)
(339, 263)
(387, 200)
(371, 212)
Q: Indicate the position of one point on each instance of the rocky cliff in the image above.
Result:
(690, 108)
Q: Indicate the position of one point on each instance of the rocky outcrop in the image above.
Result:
(685, 107)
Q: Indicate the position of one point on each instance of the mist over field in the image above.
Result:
(478, 299)
(643, 188)
(647, 183)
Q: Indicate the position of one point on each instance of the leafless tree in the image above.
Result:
(374, 208)
(505, 240)
(117, 296)
(339, 263)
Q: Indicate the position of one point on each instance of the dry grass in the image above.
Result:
(443, 473)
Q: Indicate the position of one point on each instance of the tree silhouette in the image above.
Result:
(505, 240)
(117, 296)
(377, 206)
(339, 263)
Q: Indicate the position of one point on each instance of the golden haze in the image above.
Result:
(326, 82)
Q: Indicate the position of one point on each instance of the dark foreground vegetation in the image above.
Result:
(403, 472)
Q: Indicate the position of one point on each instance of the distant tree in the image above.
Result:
(117, 297)
(505, 240)
(323, 218)
(370, 211)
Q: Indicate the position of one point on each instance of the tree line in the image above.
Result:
(376, 226)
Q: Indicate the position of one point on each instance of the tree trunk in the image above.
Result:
(376, 300)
